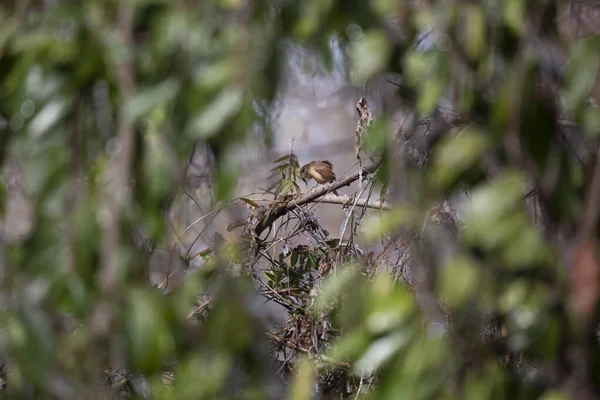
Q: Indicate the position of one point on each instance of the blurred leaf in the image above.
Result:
(387, 222)
(149, 338)
(377, 137)
(226, 179)
(490, 205)
(458, 281)
(428, 73)
(351, 345)
(217, 113)
(302, 386)
(383, 8)
(429, 94)
(380, 351)
(514, 295)
(159, 164)
(214, 76)
(146, 100)
(369, 55)
(86, 234)
(334, 286)
(526, 248)
(554, 395)
(455, 154)
(49, 116)
(200, 376)
(591, 122)
(582, 70)
(388, 307)
(485, 385)
(475, 28)
(310, 16)
(514, 15)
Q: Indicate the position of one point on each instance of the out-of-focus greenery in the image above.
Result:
(199, 71)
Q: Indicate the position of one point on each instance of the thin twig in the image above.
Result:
(278, 212)
(325, 359)
(366, 203)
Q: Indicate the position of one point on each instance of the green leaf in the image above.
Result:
(282, 158)
(388, 221)
(148, 334)
(49, 116)
(214, 76)
(146, 100)
(369, 55)
(458, 281)
(158, 166)
(492, 218)
(351, 345)
(455, 154)
(200, 375)
(302, 386)
(475, 31)
(219, 111)
(270, 275)
(380, 351)
(279, 168)
(388, 307)
(591, 122)
(493, 200)
(377, 137)
(554, 395)
(309, 17)
(582, 70)
(251, 203)
(294, 257)
(335, 285)
(311, 262)
(285, 187)
(514, 15)
(430, 92)
(383, 8)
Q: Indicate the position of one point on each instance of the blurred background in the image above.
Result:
(156, 240)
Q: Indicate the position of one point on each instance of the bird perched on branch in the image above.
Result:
(320, 171)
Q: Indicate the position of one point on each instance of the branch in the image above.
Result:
(294, 346)
(279, 211)
(376, 204)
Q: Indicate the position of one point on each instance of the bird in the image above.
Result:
(320, 171)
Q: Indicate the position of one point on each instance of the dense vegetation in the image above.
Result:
(102, 104)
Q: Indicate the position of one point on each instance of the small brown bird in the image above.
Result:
(320, 171)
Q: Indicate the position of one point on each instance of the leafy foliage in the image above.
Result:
(103, 101)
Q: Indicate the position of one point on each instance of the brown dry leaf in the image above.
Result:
(364, 123)
(584, 279)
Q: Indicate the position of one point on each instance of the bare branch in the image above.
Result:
(376, 204)
(279, 211)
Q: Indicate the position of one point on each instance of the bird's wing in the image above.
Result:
(324, 169)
